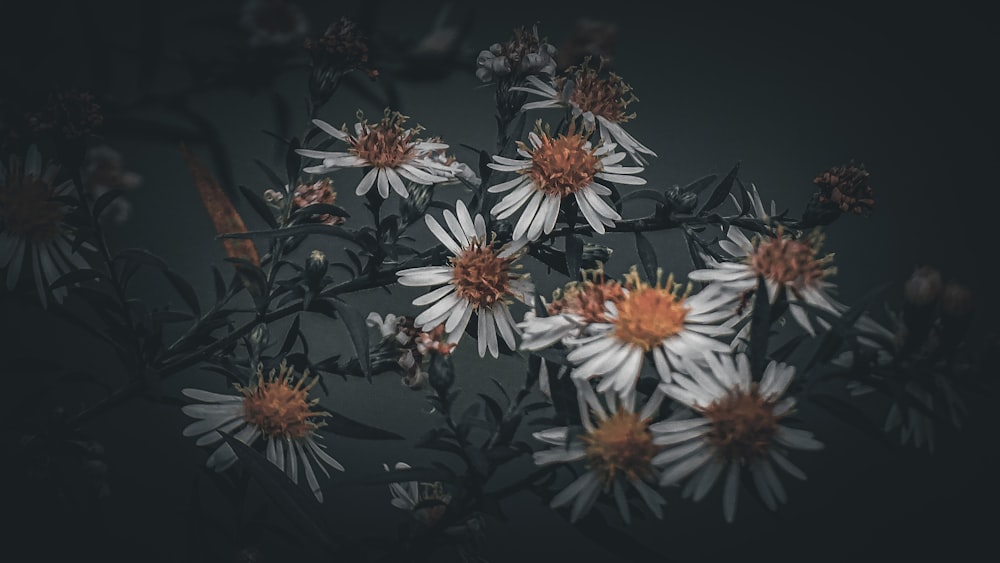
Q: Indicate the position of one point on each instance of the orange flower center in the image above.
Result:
(279, 407)
(563, 165)
(481, 277)
(743, 425)
(383, 148)
(588, 298)
(621, 444)
(789, 261)
(28, 211)
(650, 314)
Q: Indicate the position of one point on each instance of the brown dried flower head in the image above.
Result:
(342, 48)
(846, 187)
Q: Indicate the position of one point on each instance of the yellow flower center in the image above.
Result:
(604, 97)
(790, 261)
(648, 315)
(743, 425)
(620, 444)
(563, 165)
(481, 277)
(27, 209)
(279, 406)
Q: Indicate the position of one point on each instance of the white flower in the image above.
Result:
(618, 446)
(600, 101)
(393, 154)
(276, 408)
(572, 310)
(388, 327)
(556, 167)
(479, 279)
(790, 266)
(649, 319)
(410, 495)
(738, 425)
(33, 231)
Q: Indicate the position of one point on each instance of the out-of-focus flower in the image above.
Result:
(846, 188)
(591, 40)
(662, 319)
(554, 168)
(789, 265)
(273, 23)
(276, 407)
(309, 194)
(479, 279)
(413, 346)
(341, 50)
(524, 54)
(923, 287)
(738, 425)
(426, 502)
(462, 171)
(619, 446)
(103, 172)
(600, 100)
(391, 153)
(956, 300)
(34, 235)
(69, 115)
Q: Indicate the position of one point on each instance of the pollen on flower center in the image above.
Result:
(588, 298)
(621, 444)
(604, 97)
(563, 165)
(481, 277)
(28, 211)
(743, 425)
(386, 144)
(786, 260)
(650, 314)
(279, 406)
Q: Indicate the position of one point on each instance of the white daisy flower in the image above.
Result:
(276, 408)
(33, 233)
(618, 446)
(649, 319)
(392, 153)
(556, 167)
(416, 498)
(790, 266)
(600, 101)
(479, 279)
(738, 425)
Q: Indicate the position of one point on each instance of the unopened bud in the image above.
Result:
(260, 337)
(316, 267)
(923, 287)
(594, 255)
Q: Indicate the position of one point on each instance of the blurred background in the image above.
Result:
(787, 91)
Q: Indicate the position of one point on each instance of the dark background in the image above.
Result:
(786, 90)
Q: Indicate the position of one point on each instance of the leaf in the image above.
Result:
(105, 200)
(299, 507)
(645, 194)
(341, 425)
(647, 255)
(184, 289)
(492, 408)
(220, 284)
(142, 257)
(260, 206)
(319, 209)
(574, 255)
(293, 163)
(721, 192)
(782, 353)
(760, 325)
(290, 337)
(700, 184)
(272, 176)
(832, 339)
(358, 331)
(77, 276)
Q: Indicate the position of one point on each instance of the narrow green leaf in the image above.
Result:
(647, 256)
(341, 425)
(721, 192)
(272, 176)
(260, 206)
(354, 321)
(184, 289)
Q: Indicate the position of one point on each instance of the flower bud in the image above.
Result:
(923, 287)
(260, 337)
(316, 267)
(594, 255)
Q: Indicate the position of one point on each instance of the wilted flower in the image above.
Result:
(480, 279)
(390, 152)
(739, 425)
(413, 346)
(275, 23)
(33, 230)
(554, 168)
(69, 115)
(342, 49)
(600, 100)
(276, 407)
(523, 54)
(309, 194)
(846, 188)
